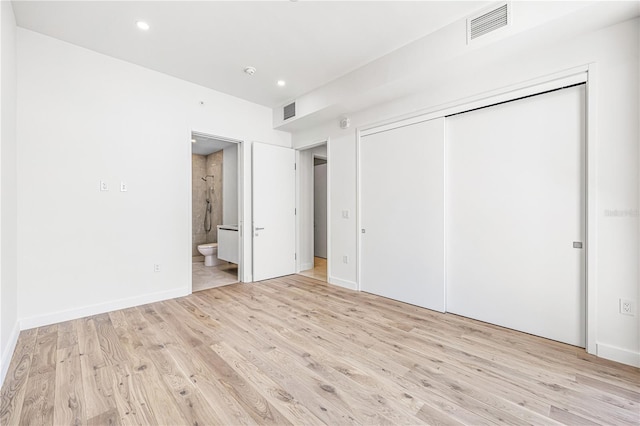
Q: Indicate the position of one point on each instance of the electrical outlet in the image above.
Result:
(123, 186)
(345, 214)
(345, 259)
(104, 186)
(156, 267)
(627, 307)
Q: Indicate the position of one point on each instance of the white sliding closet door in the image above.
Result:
(402, 214)
(515, 206)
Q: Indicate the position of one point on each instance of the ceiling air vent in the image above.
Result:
(289, 110)
(487, 22)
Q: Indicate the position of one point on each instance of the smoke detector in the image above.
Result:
(250, 70)
(345, 122)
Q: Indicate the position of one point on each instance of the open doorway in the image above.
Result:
(215, 247)
(313, 206)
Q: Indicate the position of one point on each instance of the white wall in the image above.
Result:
(85, 117)
(230, 185)
(305, 204)
(343, 232)
(615, 50)
(320, 208)
(416, 66)
(8, 210)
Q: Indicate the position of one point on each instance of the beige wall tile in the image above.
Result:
(202, 166)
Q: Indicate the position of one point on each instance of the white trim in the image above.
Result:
(343, 283)
(358, 212)
(240, 188)
(212, 136)
(100, 308)
(445, 194)
(299, 265)
(310, 145)
(614, 353)
(591, 210)
(313, 203)
(242, 267)
(526, 88)
(8, 352)
(245, 273)
(298, 248)
(245, 218)
(329, 162)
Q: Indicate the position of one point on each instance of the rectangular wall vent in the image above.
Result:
(487, 22)
(290, 111)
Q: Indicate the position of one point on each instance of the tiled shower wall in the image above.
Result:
(201, 166)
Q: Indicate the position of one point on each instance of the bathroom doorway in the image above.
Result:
(313, 212)
(215, 241)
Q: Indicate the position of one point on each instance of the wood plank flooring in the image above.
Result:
(319, 270)
(295, 350)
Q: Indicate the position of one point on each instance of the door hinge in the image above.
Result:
(295, 256)
(295, 166)
(295, 211)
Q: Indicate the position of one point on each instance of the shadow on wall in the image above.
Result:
(202, 166)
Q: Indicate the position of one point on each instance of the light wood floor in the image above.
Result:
(319, 270)
(296, 351)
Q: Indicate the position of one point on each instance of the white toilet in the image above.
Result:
(210, 252)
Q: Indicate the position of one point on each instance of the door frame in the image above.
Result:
(298, 200)
(313, 203)
(587, 74)
(243, 268)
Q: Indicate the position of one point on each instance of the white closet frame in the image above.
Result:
(583, 74)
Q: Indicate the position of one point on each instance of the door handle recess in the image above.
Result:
(259, 229)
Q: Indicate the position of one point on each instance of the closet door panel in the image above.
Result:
(515, 206)
(402, 214)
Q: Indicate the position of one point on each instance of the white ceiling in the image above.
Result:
(205, 145)
(305, 43)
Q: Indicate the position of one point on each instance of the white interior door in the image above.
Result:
(515, 206)
(273, 202)
(402, 214)
(320, 210)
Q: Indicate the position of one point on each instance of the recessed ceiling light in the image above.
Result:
(142, 25)
(250, 70)
(282, 83)
(193, 141)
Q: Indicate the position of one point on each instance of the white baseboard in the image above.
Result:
(343, 283)
(5, 360)
(71, 314)
(623, 356)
